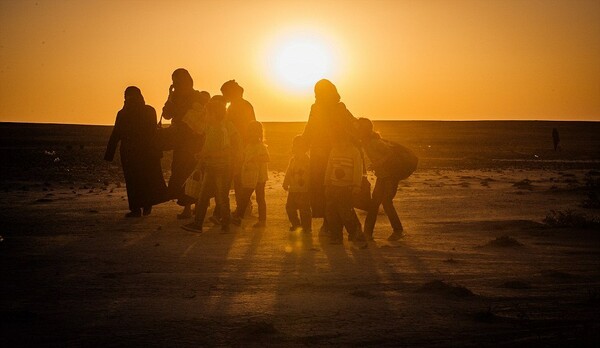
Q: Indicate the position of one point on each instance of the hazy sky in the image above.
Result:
(70, 61)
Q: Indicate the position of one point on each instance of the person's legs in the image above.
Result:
(389, 192)
(303, 204)
(346, 211)
(223, 183)
(261, 202)
(290, 208)
(334, 220)
(376, 199)
(242, 196)
(208, 184)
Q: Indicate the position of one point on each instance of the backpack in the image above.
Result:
(404, 161)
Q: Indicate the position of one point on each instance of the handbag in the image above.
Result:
(362, 200)
(193, 184)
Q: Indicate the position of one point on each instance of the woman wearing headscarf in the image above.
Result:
(135, 128)
(182, 140)
(328, 116)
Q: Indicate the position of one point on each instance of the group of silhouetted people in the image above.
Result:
(218, 144)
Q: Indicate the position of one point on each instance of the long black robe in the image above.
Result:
(324, 120)
(135, 128)
(185, 144)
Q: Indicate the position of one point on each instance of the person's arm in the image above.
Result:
(328, 171)
(169, 109)
(308, 131)
(113, 141)
(358, 171)
(287, 177)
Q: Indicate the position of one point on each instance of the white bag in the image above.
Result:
(193, 184)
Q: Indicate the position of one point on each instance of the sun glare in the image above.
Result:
(300, 62)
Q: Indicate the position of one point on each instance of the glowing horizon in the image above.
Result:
(391, 60)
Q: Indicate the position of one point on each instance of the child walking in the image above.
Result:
(380, 154)
(296, 182)
(254, 174)
(220, 150)
(342, 180)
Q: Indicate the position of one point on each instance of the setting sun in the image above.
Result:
(299, 62)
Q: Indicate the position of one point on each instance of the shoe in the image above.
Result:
(184, 215)
(193, 227)
(294, 228)
(306, 230)
(147, 210)
(214, 220)
(368, 236)
(396, 235)
(259, 224)
(236, 221)
(134, 213)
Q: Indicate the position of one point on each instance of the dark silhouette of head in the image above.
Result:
(182, 80)
(326, 92)
(254, 131)
(204, 97)
(216, 108)
(299, 145)
(365, 128)
(133, 97)
(232, 90)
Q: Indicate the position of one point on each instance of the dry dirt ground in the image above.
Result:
(477, 267)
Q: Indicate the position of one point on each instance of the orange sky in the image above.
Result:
(69, 61)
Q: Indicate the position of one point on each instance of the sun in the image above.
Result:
(298, 63)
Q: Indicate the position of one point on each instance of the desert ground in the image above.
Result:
(502, 248)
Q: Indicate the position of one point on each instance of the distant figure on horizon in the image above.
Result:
(297, 183)
(555, 139)
(135, 128)
(240, 113)
(182, 140)
(327, 115)
(380, 154)
(254, 174)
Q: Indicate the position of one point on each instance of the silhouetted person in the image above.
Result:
(240, 113)
(297, 183)
(221, 149)
(555, 138)
(343, 178)
(254, 174)
(380, 154)
(327, 115)
(184, 142)
(135, 128)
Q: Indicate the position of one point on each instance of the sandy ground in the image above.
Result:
(76, 273)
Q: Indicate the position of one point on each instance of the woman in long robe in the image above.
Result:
(328, 115)
(135, 129)
(182, 140)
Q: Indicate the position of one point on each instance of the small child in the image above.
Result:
(380, 154)
(253, 175)
(342, 180)
(221, 147)
(296, 182)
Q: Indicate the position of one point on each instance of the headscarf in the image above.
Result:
(133, 98)
(326, 92)
(182, 75)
